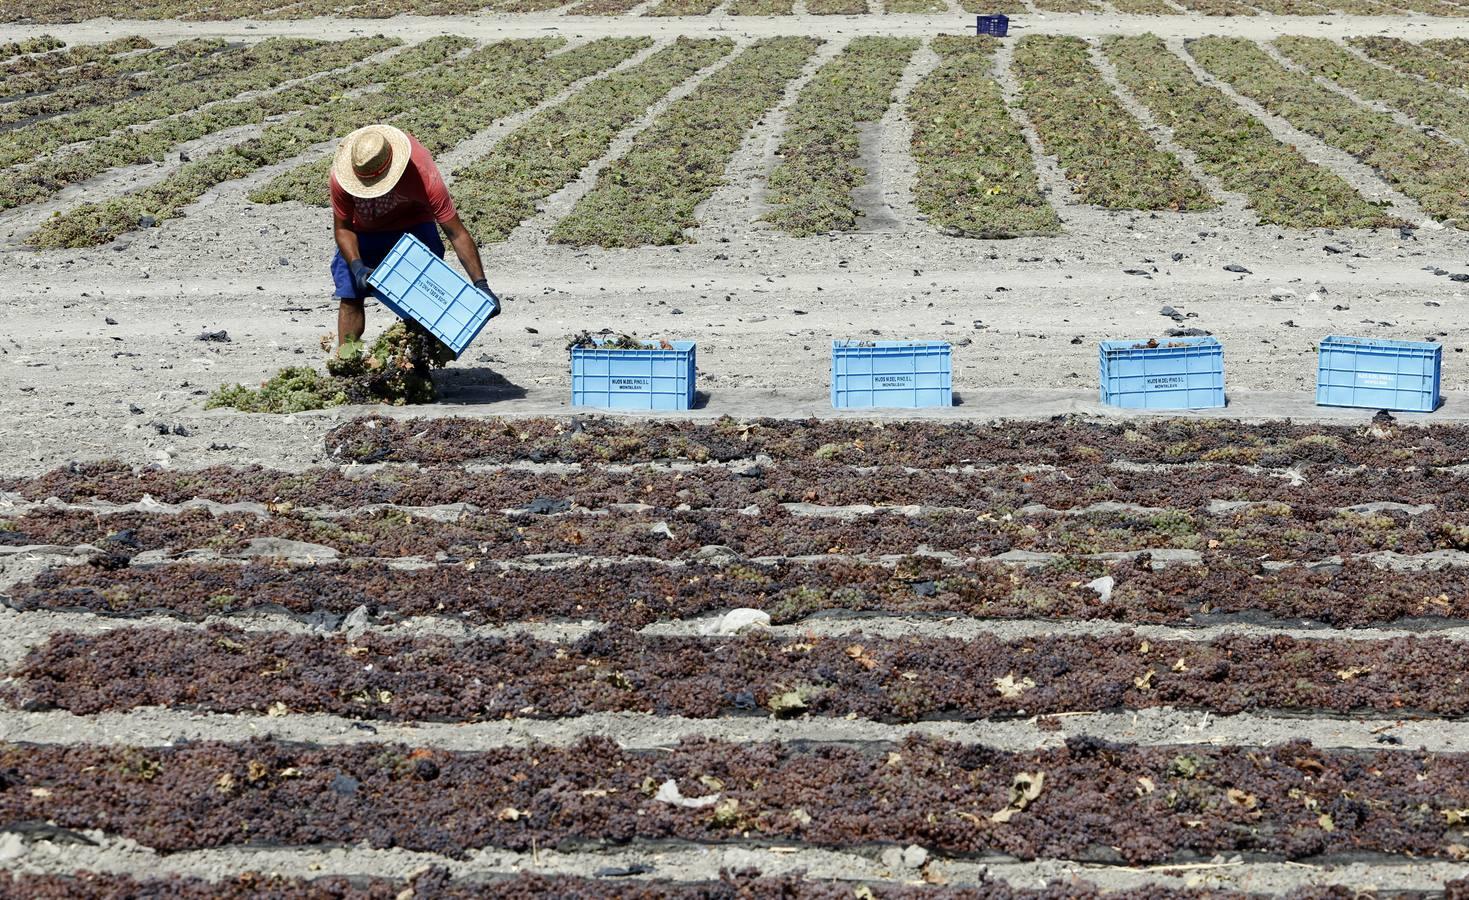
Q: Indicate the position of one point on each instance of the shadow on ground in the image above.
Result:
(476, 385)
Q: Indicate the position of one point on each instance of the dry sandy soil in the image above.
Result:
(1025, 317)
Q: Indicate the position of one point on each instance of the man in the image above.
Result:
(384, 184)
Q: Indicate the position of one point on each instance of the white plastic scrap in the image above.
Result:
(1103, 586)
(737, 620)
(668, 793)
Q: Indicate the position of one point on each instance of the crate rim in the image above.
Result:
(679, 346)
(1343, 340)
(849, 345)
(1188, 342)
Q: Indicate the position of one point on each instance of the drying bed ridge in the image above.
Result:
(732, 885)
(443, 122)
(976, 177)
(1283, 187)
(999, 490)
(1111, 161)
(222, 669)
(499, 191)
(215, 77)
(635, 593)
(810, 191)
(100, 83)
(1429, 170)
(412, 92)
(648, 196)
(974, 174)
(1063, 441)
(67, 11)
(151, 142)
(1088, 800)
(1271, 531)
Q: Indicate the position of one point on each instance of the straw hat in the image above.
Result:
(370, 160)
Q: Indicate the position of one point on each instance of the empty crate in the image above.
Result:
(891, 373)
(650, 379)
(997, 25)
(1180, 373)
(414, 283)
(1378, 374)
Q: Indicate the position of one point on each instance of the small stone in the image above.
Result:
(147, 222)
(1178, 257)
(109, 320)
(914, 856)
(1237, 268)
(322, 620)
(1333, 248)
(345, 785)
(215, 337)
(356, 621)
(623, 871)
(1459, 276)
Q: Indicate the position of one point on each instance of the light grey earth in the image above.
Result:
(1024, 316)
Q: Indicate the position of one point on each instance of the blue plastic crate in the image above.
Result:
(414, 283)
(907, 374)
(1378, 374)
(997, 25)
(1179, 373)
(634, 379)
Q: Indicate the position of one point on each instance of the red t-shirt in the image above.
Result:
(420, 196)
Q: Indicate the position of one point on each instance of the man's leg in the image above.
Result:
(351, 316)
(351, 320)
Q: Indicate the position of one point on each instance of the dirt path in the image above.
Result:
(502, 25)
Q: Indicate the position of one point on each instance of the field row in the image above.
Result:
(226, 670)
(1056, 442)
(635, 594)
(436, 882)
(1087, 800)
(976, 176)
(1273, 532)
(1206, 488)
(61, 11)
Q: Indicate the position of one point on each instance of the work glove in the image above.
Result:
(484, 287)
(360, 273)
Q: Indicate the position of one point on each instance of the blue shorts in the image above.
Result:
(374, 246)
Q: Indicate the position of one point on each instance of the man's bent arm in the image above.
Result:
(464, 247)
(346, 240)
